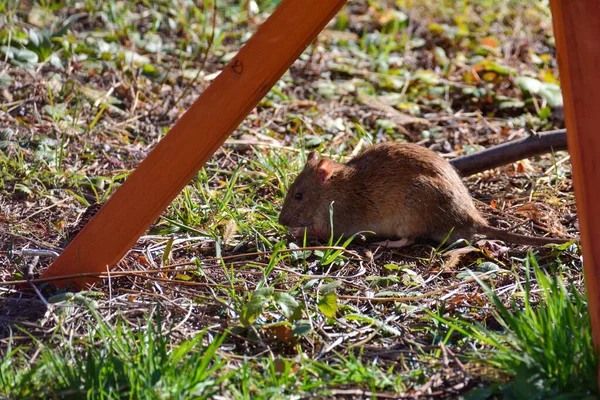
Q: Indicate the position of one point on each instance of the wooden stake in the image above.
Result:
(577, 34)
(197, 135)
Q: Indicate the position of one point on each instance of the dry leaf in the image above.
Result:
(283, 333)
(279, 365)
(230, 230)
(524, 166)
(394, 115)
(453, 257)
(492, 248)
(542, 215)
(489, 42)
(143, 260)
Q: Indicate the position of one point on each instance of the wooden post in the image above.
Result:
(577, 32)
(197, 135)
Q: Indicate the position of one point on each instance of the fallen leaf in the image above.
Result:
(394, 115)
(542, 215)
(142, 260)
(279, 365)
(489, 42)
(454, 256)
(283, 333)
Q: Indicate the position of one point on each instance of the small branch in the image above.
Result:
(533, 145)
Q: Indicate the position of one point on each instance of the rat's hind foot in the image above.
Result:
(394, 244)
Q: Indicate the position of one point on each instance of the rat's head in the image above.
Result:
(307, 202)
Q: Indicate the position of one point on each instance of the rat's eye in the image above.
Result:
(298, 196)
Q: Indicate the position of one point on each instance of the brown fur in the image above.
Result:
(396, 190)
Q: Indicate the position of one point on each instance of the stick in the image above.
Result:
(506, 153)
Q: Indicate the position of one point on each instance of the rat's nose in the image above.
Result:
(282, 220)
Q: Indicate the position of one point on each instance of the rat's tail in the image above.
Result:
(509, 237)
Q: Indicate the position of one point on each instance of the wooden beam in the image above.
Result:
(197, 135)
(577, 34)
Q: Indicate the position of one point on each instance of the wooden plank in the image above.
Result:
(577, 33)
(197, 135)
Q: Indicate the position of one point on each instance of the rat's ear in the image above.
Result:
(312, 156)
(324, 170)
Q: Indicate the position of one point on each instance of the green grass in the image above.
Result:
(121, 362)
(117, 362)
(544, 340)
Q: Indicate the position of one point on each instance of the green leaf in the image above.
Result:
(488, 266)
(255, 306)
(417, 42)
(40, 16)
(79, 198)
(385, 124)
(35, 38)
(61, 297)
(494, 66)
(5, 79)
(22, 188)
(95, 95)
(167, 252)
(40, 44)
(151, 71)
(482, 268)
(286, 303)
(551, 92)
(328, 304)
(330, 287)
(57, 111)
(134, 58)
(511, 103)
(342, 21)
(298, 255)
(545, 113)
(529, 85)
(383, 280)
(410, 108)
(427, 77)
(372, 321)
(441, 57)
(302, 329)
(26, 56)
(411, 278)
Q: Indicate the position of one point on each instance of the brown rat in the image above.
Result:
(398, 191)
